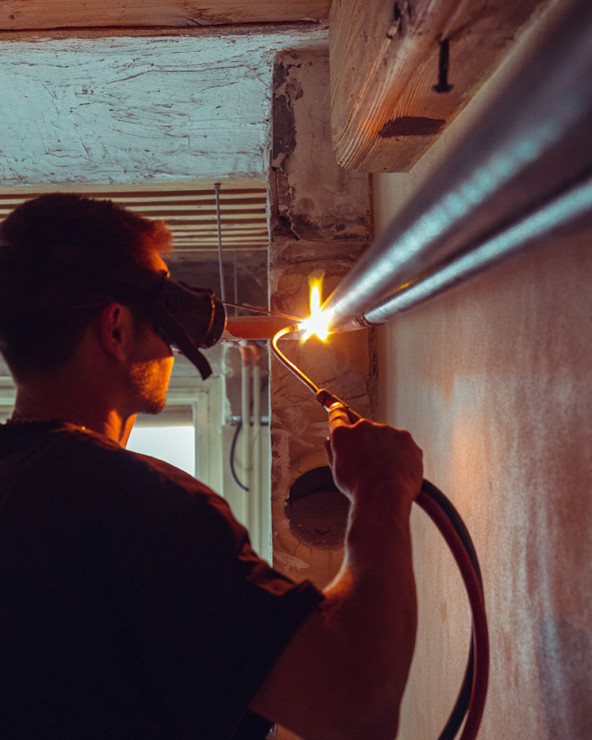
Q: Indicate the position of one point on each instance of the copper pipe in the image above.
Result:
(256, 327)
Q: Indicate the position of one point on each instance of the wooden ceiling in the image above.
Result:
(400, 73)
(400, 77)
(191, 211)
(22, 15)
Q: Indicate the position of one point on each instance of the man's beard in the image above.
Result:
(148, 384)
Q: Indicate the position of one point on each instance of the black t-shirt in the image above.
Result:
(131, 603)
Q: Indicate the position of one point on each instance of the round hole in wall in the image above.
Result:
(317, 510)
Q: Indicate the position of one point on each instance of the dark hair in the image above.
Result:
(43, 317)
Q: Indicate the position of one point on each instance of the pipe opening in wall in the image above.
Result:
(317, 510)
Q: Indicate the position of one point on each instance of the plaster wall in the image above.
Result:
(493, 380)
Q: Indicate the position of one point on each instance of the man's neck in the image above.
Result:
(47, 400)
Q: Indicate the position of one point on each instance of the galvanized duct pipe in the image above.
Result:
(256, 494)
(560, 213)
(530, 147)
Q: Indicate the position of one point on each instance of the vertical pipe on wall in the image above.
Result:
(256, 493)
(246, 419)
(219, 228)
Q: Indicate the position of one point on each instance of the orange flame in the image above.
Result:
(319, 321)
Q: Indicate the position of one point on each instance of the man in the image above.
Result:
(132, 604)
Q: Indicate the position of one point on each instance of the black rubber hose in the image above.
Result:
(456, 520)
(439, 508)
(463, 700)
(242, 486)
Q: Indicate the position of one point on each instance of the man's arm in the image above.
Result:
(343, 674)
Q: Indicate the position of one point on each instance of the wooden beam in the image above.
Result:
(41, 14)
(402, 71)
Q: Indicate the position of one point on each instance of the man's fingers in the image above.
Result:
(338, 417)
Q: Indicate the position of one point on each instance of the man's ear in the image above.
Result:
(116, 330)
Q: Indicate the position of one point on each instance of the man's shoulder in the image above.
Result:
(77, 458)
(144, 473)
(78, 477)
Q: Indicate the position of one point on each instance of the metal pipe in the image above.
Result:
(219, 229)
(560, 212)
(246, 415)
(530, 143)
(256, 494)
(255, 327)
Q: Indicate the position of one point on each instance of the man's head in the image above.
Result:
(42, 316)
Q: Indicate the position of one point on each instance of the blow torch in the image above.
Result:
(339, 411)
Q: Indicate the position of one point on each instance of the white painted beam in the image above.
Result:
(119, 110)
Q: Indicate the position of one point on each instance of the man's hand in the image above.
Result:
(366, 458)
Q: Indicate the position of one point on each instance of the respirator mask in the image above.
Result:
(187, 318)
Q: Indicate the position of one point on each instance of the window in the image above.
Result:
(172, 443)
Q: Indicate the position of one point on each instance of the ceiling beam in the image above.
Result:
(132, 109)
(43, 14)
(402, 71)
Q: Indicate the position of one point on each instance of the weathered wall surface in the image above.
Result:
(320, 221)
(127, 109)
(493, 379)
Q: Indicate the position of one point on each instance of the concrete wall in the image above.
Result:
(493, 380)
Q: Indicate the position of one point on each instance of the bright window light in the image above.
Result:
(173, 444)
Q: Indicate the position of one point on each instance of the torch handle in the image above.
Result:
(338, 417)
(340, 413)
